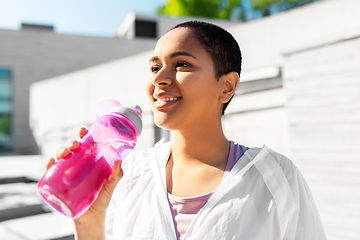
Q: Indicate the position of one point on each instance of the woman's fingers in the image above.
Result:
(62, 152)
(114, 178)
(72, 144)
(116, 175)
(50, 163)
(83, 131)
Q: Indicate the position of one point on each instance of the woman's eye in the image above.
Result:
(154, 69)
(182, 64)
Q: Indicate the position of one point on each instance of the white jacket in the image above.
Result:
(264, 197)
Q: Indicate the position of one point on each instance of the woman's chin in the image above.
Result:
(163, 123)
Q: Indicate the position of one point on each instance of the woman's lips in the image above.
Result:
(165, 102)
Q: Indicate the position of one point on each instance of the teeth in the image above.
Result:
(168, 99)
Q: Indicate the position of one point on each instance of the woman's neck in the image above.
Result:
(204, 145)
(198, 160)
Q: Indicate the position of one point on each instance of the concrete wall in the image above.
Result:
(264, 41)
(258, 119)
(35, 55)
(323, 86)
(61, 105)
(316, 122)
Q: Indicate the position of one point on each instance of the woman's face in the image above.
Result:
(183, 90)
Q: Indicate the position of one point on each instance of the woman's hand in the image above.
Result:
(71, 144)
(91, 225)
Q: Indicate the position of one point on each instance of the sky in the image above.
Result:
(78, 17)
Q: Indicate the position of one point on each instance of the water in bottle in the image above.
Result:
(73, 183)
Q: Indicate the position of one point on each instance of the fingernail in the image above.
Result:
(60, 151)
(69, 143)
(120, 162)
(72, 144)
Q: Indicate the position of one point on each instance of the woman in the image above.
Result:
(201, 185)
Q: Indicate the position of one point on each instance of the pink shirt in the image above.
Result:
(184, 210)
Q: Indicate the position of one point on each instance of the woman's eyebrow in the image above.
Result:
(152, 59)
(173, 55)
(181, 53)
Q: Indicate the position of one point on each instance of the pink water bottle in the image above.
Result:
(72, 184)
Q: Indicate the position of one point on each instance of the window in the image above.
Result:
(145, 28)
(5, 110)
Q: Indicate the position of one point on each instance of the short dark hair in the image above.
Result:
(220, 44)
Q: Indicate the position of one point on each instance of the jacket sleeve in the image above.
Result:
(307, 222)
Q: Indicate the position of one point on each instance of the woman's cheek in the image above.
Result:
(149, 89)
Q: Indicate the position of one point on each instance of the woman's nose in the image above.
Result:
(162, 78)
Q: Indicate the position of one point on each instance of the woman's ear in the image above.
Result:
(230, 82)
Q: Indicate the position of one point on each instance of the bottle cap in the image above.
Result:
(131, 115)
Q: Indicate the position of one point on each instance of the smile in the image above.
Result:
(167, 99)
(165, 102)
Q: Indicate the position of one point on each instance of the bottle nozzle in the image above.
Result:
(138, 108)
(133, 114)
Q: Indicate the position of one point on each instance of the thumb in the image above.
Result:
(103, 200)
(116, 175)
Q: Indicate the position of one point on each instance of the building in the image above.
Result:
(28, 56)
(36, 53)
(299, 94)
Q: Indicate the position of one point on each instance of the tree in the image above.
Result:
(5, 124)
(200, 8)
(226, 9)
